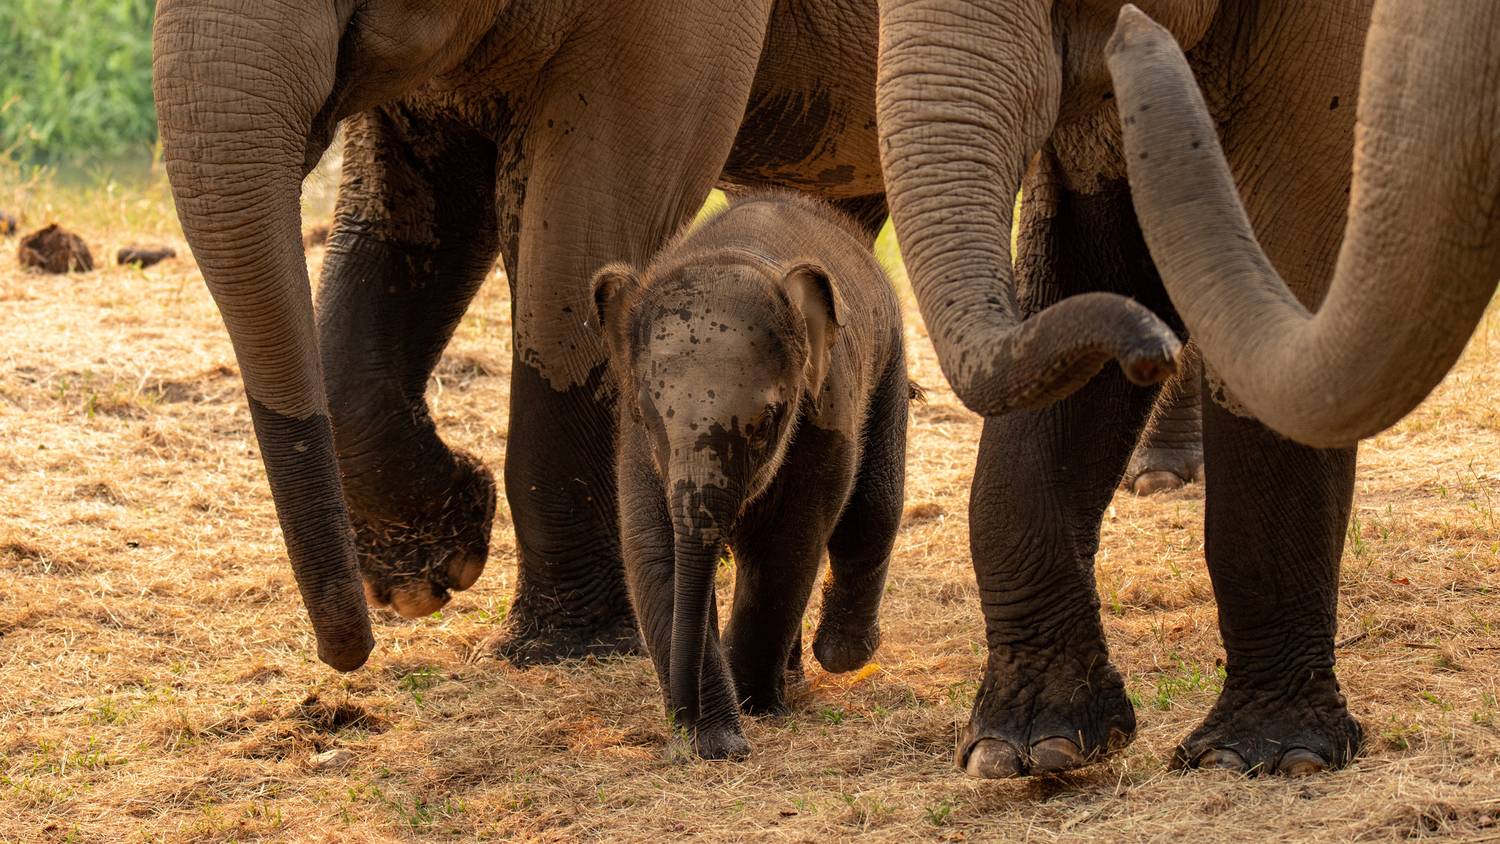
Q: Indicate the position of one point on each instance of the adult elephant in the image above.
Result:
(561, 136)
(977, 100)
(558, 136)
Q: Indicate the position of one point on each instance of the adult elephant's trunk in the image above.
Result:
(701, 509)
(238, 91)
(967, 94)
(1421, 251)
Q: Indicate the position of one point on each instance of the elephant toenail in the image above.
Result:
(1301, 762)
(1056, 754)
(1150, 483)
(1118, 740)
(1221, 758)
(993, 759)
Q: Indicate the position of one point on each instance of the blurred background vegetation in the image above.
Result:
(75, 83)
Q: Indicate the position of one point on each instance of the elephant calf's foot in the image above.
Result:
(765, 695)
(725, 743)
(1044, 714)
(411, 564)
(1298, 732)
(841, 647)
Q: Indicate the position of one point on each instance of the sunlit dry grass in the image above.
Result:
(159, 684)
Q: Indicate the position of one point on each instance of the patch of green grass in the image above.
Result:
(1187, 678)
(417, 682)
(937, 813)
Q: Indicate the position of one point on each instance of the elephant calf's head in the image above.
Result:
(714, 358)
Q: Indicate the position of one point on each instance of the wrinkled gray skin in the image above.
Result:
(557, 136)
(562, 136)
(1421, 251)
(979, 99)
(762, 409)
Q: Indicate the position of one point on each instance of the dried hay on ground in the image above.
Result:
(160, 682)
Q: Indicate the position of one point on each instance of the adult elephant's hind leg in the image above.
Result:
(414, 236)
(1170, 453)
(623, 147)
(1275, 521)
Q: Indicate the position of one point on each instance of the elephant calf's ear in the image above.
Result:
(610, 285)
(813, 292)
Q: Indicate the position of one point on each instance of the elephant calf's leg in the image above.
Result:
(1276, 516)
(774, 576)
(1170, 453)
(859, 551)
(414, 237)
(778, 546)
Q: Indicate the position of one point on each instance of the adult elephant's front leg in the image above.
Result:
(1274, 533)
(415, 234)
(632, 127)
(1277, 511)
(1050, 699)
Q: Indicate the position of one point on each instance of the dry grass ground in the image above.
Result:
(159, 681)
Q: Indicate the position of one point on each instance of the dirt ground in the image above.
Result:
(160, 684)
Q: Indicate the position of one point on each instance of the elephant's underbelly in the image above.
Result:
(809, 141)
(810, 124)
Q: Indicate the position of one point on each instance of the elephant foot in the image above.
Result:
(1155, 469)
(721, 743)
(1045, 715)
(840, 648)
(531, 638)
(412, 563)
(1295, 733)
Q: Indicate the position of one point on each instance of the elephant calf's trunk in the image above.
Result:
(700, 512)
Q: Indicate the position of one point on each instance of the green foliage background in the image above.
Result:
(75, 79)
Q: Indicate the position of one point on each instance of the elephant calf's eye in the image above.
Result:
(767, 423)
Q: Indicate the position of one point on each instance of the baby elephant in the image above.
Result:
(762, 407)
